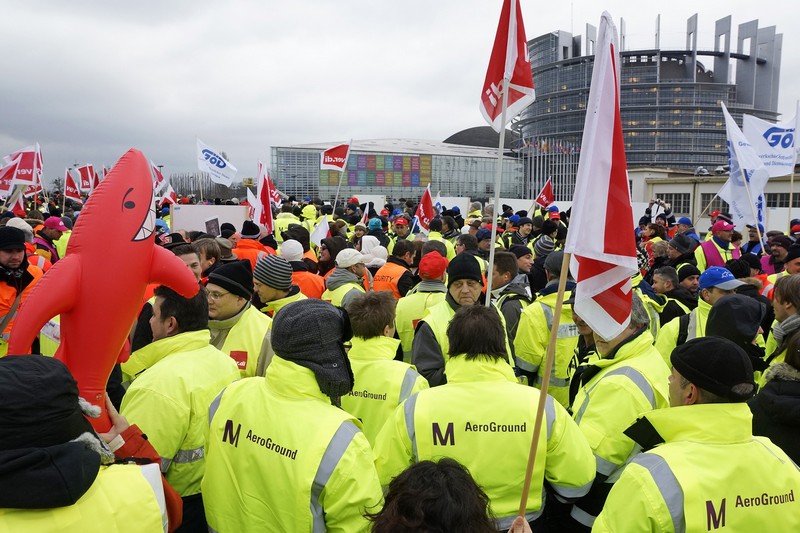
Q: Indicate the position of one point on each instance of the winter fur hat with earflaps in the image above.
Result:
(311, 333)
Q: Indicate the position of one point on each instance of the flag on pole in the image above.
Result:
(218, 168)
(263, 204)
(7, 173)
(321, 231)
(425, 211)
(85, 175)
(170, 197)
(16, 202)
(71, 190)
(604, 264)
(158, 178)
(509, 64)
(745, 166)
(546, 196)
(29, 164)
(774, 143)
(274, 194)
(335, 158)
(95, 180)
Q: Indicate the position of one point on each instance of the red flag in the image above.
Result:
(71, 190)
(604, 264)
(105, 171)
(274, 195)
(33, 190)
(7, 178)
(264, 200)
(335, 158)
(29, 166)
(425, 211)
(86, 173)
(17, 203)
(545, 197)
(170, 197)
(158, 178)
(509, 66)
(95, 180)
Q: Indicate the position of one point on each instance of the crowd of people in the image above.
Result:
(362, 383)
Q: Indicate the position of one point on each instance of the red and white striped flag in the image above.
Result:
(546, 197)
(425, 211)
(170, 197)
(603, 264)
(508, 64)
(158, 178)
(71, 190)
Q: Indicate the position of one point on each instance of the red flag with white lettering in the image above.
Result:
(603, 264)
(335, 158)
(7, 178)
(425, 211)
(545, 197)
(86, 175)
(71, 190)
(510, 66)
(263, 203)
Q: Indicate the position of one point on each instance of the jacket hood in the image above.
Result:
(44, 478)
(780, 397)
(683, 296)
(339, 277)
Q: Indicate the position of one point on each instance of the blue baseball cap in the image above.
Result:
(718, 277)
(760, 228)
(685, 220)
(514, 219)
(483, 234)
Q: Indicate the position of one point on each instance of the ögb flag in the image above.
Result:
(218, 168)
(546, 196)
(71, 190)
(335, 158)
(747, 174)
(774, 143)
(321, 231)
(425, 211)
(509, 66)
(603, 264)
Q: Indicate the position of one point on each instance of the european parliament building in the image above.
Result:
(670, 100)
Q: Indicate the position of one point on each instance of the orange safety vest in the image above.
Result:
(386, 278)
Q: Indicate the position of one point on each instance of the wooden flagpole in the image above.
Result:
(548, 369)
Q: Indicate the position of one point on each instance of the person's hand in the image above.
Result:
(118, 422)
(652, 201)
(667, 207)
(520, 525)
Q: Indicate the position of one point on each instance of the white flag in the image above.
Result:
(745, 166)
(255, 205)
(774, 143)
(321, 231)
(209, 160)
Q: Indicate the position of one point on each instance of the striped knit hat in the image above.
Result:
(274, 271)
(543, 246)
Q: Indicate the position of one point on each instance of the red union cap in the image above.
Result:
(401, 221)
(715, 213)
(432, 266)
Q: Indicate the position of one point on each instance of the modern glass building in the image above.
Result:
(670, 99)
(396, 168)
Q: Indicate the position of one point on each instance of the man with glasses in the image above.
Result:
(237, 328)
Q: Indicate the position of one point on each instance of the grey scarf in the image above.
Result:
(784, 329)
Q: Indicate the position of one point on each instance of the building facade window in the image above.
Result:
(681, 202)
(718, 204)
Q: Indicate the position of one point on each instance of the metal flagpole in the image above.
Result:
(753, 208)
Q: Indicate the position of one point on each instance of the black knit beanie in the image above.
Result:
(235, 277)
(715, 364)
(463, 266)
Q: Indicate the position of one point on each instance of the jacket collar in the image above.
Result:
(459, 369)
(374, 348)
(293, 381)
(228, 323)
(149, 355)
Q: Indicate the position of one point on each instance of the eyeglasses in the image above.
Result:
(216, 295)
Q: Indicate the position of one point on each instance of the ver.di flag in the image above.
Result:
(85, 176)
(510, 66)
(425, 211)
(262, 204)
(71, 190)
(603, 250)
(170, 197)
(218, 168)
(335, 158)
(745, 166)
(546, 197)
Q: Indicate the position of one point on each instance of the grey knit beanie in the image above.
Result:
(311, 333)
(274, 271)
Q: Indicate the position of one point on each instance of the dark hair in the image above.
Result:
(660, 231)
(450, 221)
(740, 268)
(184, 249)
(434, 497)
(506, 263)
(476, 331)
(196, 235)
(669, 274)
(436, 224)
(434, 246)
(470, 242)
(402, 247)
(370, 313)
(208, 248)
(190, 313)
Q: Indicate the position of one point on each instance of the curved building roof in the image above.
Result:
(483, 136)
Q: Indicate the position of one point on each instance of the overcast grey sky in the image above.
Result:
(90, 79)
